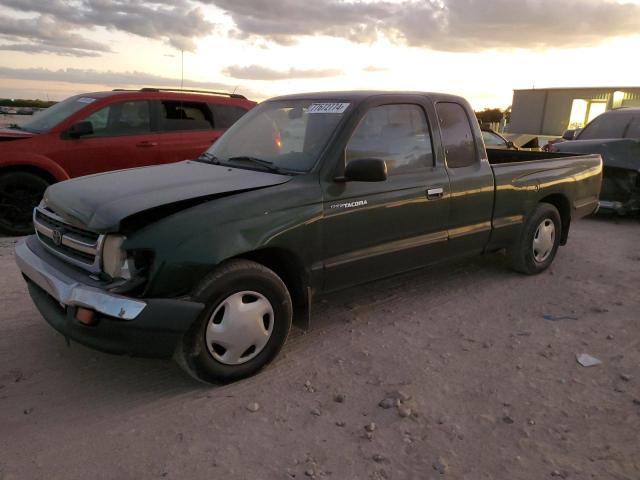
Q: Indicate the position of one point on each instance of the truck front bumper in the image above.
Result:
(142, 327)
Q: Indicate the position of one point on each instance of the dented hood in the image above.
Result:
(100, 202)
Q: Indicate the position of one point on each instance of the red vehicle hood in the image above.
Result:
(14, 134)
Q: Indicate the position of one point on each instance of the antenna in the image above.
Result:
(182, 69)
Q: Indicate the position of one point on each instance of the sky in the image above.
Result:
(481, 49)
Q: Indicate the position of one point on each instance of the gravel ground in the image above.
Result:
(464, 371)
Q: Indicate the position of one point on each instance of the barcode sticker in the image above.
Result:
(328, 107)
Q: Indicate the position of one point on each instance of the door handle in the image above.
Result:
(435, 192)
(147, 144)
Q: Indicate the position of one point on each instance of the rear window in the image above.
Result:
(606, 126)
(180, 116)
(225, 115)
(457, 135)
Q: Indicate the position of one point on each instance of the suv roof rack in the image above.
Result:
(186, 90)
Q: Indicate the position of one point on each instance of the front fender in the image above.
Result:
(32, 160)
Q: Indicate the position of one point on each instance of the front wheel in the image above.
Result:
(20, 193)
(539, 240)
(246, 321)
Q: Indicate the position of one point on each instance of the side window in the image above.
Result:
(492, 140)
(225, 115)
(120, 119)
(398, 134)
(457, 136)
(606, 126)
(180, 116)
(633, 131)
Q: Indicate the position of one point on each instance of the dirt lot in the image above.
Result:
(487, 387)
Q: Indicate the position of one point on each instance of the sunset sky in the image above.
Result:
(482, 49)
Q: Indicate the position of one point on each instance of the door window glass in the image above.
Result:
(225, 115)
(634, 129)
(492, 140)
(180, 116)
(118, 119)
(610, 125)
(398, 134)
(457, 136)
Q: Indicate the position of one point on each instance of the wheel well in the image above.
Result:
(31, 169)
(290, 269)
(564, 208)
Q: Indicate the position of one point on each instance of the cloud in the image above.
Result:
(64, 23)
(112, 79)
(39, 48)
(374, 69)
(446, 25)
(256, 72)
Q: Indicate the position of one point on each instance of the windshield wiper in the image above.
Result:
(256, 161)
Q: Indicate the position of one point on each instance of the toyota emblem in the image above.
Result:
(57, 237)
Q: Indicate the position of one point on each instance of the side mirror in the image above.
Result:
(511, 145)
(568, 135)
(80, 129)
(365, 170)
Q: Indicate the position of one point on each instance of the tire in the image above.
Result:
(20, 193)
(214, 350)
(539, 240)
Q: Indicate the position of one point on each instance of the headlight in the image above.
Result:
(115, 262)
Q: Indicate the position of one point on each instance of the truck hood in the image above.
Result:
(14, 134)
(100, 202)
(616, 153)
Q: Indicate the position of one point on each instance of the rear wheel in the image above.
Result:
(246, 321)
(539, 240)
(20, 193)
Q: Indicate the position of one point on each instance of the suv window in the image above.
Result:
(119, 119)
(605, 126)
(633, 131)
(225, 115)
(179, 116)
(457, 135)
(492, 140)
(398, 134)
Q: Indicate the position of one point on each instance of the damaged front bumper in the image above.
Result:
(145, 327)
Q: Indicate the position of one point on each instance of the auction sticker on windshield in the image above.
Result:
(86, 100)
(328, 107)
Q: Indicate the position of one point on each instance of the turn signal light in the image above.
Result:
(86, 316)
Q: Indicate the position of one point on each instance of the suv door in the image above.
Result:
(471, 181)
(376, 229)
(186, 129)
(122, 138)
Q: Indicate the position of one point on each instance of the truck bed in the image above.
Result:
(500, 156)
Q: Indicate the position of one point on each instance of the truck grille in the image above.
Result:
(75, 245)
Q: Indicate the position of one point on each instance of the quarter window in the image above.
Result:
(457, 135)
(398, 134)
(180, 116)
(119, 119)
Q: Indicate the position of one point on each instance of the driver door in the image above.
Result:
(376, 229)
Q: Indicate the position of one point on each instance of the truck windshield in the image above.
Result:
(287, 134)
(44, 121)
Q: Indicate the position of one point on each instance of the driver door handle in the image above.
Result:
(147, 144)
(435, 192)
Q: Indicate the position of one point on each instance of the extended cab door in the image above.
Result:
(376, 229)
(471, 180)
(122, 138)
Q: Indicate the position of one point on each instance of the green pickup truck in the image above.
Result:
(211, 260)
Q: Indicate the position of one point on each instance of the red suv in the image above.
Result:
(97, 132)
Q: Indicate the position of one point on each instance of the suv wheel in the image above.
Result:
(20, 193)
(246, 321)
(539, 240)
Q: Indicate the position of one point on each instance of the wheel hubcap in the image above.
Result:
(544, 240)
(239, 327)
